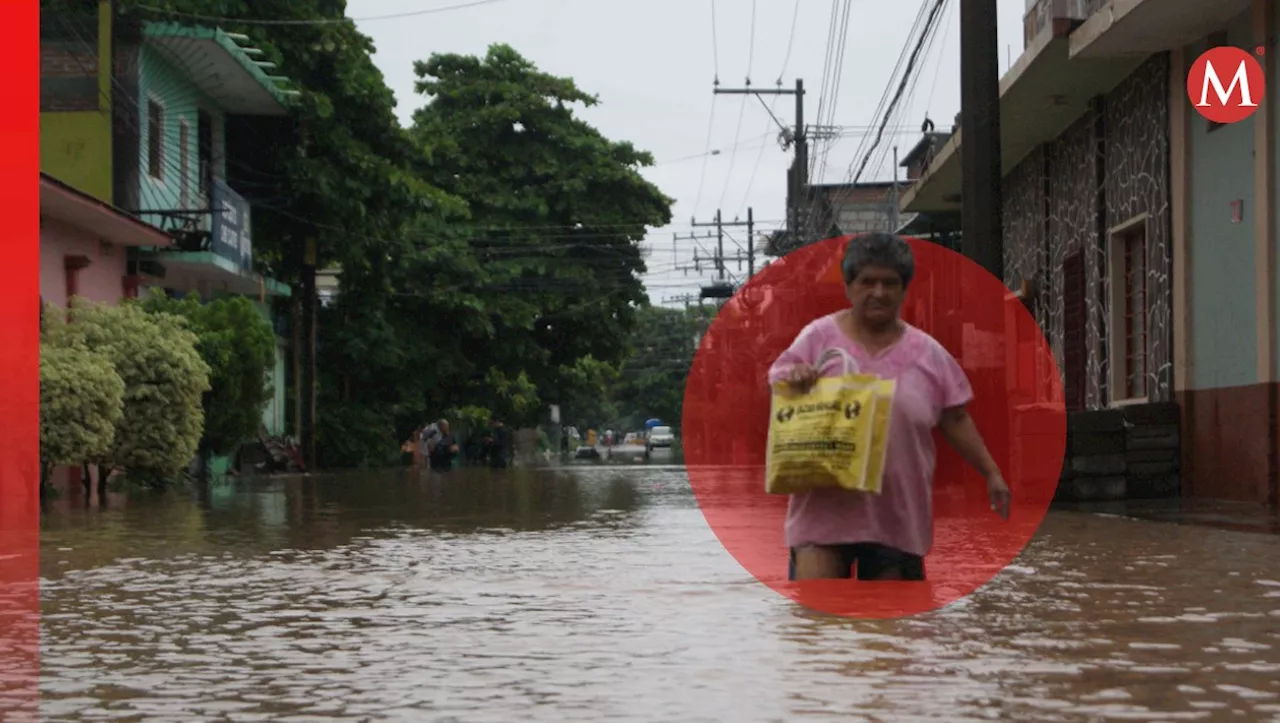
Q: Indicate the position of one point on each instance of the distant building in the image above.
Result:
(839, 209)
(84, 237)
(135, 122)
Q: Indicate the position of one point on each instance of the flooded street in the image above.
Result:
(599, 593)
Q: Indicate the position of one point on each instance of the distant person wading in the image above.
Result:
(830, 531)
(442, 448)
(498, 444)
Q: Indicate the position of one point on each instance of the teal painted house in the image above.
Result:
(176, 87)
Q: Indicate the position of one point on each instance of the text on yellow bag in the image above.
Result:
(824, 437)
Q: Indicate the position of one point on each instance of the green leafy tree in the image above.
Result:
(81, 401)
(500, 232)
(587, 401)
(239, 346)
(557, 212)
(651, 382)
(164, 379)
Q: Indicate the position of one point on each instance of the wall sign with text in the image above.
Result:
(231, 231)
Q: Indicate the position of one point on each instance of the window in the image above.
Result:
(155, 139)
(204, 151)
(1073, 327)
(1127, 258)
(184, 164)
(72, 266)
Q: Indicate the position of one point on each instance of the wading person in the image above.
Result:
(430, 432)
(831, 531)
(442, 448)
(498, 444)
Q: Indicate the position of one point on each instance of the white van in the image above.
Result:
(660, 437)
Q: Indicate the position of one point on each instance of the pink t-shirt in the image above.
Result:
(929, 380)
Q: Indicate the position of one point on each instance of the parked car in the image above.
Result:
(660, 437)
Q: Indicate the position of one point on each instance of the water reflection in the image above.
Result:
(599, 593)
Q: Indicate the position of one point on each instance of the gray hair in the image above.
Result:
(884, 250)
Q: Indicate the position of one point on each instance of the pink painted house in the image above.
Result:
(84, 245)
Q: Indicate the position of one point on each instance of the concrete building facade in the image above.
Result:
(1143, 237)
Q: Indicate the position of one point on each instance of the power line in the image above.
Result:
(711, 119)
(914, 79)
(786, 61)
(915, 55)
(715, 44)
(317, 21)
(831, 93)
(937, 72)
(918, 30)
(742, 109)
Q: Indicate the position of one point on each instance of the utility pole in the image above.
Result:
(308, 309)
(719, 245)
(720, 225)
(798, 175)
(982, 237)
(696, 266)
(897, 198)
(980, 167)
(686, 299)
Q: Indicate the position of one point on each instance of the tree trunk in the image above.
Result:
(104, 474)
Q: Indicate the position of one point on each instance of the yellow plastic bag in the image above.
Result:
(882, 417)
(823, 437)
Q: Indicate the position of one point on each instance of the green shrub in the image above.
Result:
(81, 401)
(164, 378)
(239, 346)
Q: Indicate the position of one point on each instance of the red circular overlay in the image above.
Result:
(1226, 84)
(1018, 408)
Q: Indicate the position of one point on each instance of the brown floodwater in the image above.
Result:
(598, 593)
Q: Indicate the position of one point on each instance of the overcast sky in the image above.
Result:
(653, 65)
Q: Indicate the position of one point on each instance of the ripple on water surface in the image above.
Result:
(601, 594)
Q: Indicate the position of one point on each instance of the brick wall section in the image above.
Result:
(68, 77)
(1127, 453)
(857, 209)
(66, 61)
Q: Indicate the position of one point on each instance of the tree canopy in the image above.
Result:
(486, 252)
(237, 344)
(651, 380)
(557, 211)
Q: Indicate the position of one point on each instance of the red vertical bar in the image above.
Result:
(20, 362)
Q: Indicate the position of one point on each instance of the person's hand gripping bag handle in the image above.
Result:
(820, 431)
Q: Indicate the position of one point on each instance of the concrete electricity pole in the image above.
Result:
(980, 200)
(981, 223)
(798, 175)
(720, 225)
(696, 266)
